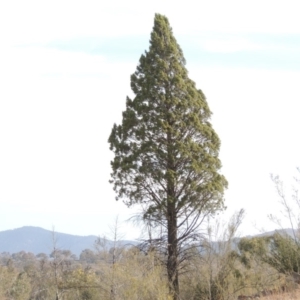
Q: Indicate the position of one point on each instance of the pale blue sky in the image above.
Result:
(256, 50)
(65, 74)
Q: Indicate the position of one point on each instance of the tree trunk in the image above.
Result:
(172, 263)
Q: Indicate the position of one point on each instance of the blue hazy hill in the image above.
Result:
(39, 240)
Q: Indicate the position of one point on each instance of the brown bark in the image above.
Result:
(172, 262)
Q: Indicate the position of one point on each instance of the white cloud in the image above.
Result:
(229, 45)
(36, 21)
(39, 61)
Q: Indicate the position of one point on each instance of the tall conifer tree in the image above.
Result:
(166, 151)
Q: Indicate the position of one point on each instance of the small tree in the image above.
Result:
(166, 151)
(214, 271)
(283, 247)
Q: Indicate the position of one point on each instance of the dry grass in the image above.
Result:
(284, 296)
(293, 295)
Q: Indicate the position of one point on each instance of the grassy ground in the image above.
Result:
(294, 295)
(284, 296)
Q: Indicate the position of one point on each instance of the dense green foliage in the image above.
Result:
(165, 136)
(166, 151)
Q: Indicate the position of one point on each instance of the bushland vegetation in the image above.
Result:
(220, 267)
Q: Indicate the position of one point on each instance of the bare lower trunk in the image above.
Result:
(172, 263)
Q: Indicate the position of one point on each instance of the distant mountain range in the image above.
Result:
(38, 240)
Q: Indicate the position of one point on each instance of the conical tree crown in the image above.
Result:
(166, 149)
